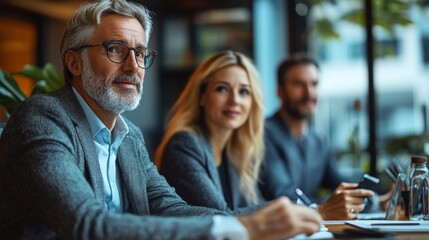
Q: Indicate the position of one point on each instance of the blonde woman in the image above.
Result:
(213, 145)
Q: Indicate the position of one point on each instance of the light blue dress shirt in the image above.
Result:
(107, 144)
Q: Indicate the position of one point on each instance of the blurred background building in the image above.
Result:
(374, 58)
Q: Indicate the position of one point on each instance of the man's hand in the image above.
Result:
(281, 219)
(345, 203)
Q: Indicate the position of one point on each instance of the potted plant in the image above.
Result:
(46, 79)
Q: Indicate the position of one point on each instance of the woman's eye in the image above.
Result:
(221, 89)
(244, 92)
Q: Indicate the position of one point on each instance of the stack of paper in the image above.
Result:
(388, 226)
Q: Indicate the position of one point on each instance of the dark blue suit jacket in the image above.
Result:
(285, 168)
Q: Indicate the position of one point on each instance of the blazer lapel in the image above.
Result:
(92, 168)
(211, 166)
(133, 176)
(92, 165)
(290, 150)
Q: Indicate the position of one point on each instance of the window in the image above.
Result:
(336, 34)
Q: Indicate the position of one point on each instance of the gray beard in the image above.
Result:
(102, 92)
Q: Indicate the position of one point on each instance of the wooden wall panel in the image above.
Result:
(18, 41)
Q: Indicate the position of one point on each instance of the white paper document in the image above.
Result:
(391, 226)
(372, 216)
(322, 234)
(318, 235)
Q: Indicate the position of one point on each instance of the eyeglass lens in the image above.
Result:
(118, 53)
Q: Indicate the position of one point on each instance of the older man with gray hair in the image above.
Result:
(73, 168)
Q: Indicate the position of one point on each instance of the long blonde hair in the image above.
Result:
(245, 148)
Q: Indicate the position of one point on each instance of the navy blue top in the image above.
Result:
(289, 163)
(227, 171)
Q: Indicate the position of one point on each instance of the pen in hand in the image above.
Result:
(309, 204)
(303, 197)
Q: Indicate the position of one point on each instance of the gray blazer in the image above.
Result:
(188, 165)
(51, 184)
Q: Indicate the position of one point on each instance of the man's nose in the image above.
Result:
(130, 63)
(310, 90)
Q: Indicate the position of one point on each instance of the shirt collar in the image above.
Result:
(96, 125)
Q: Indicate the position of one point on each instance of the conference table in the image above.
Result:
(339, 228)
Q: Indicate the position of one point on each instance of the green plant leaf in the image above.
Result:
(11, 94)
(32, 72)
(39, 87)
(317, 2)
(9, 83)
(393, 6)
(387, 15)
(8, 101)
(325, 29)
(5, 95)
(383, 23)
(410, 144)
(57, 75)
(403, 21)
(54, 79)
(355, 16)
(6, 98)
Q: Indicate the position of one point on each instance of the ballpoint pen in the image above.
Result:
(308, 203)
(303, 197)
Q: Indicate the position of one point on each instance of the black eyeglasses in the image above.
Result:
(117, 52)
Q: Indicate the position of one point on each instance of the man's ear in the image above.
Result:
(74, 62)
